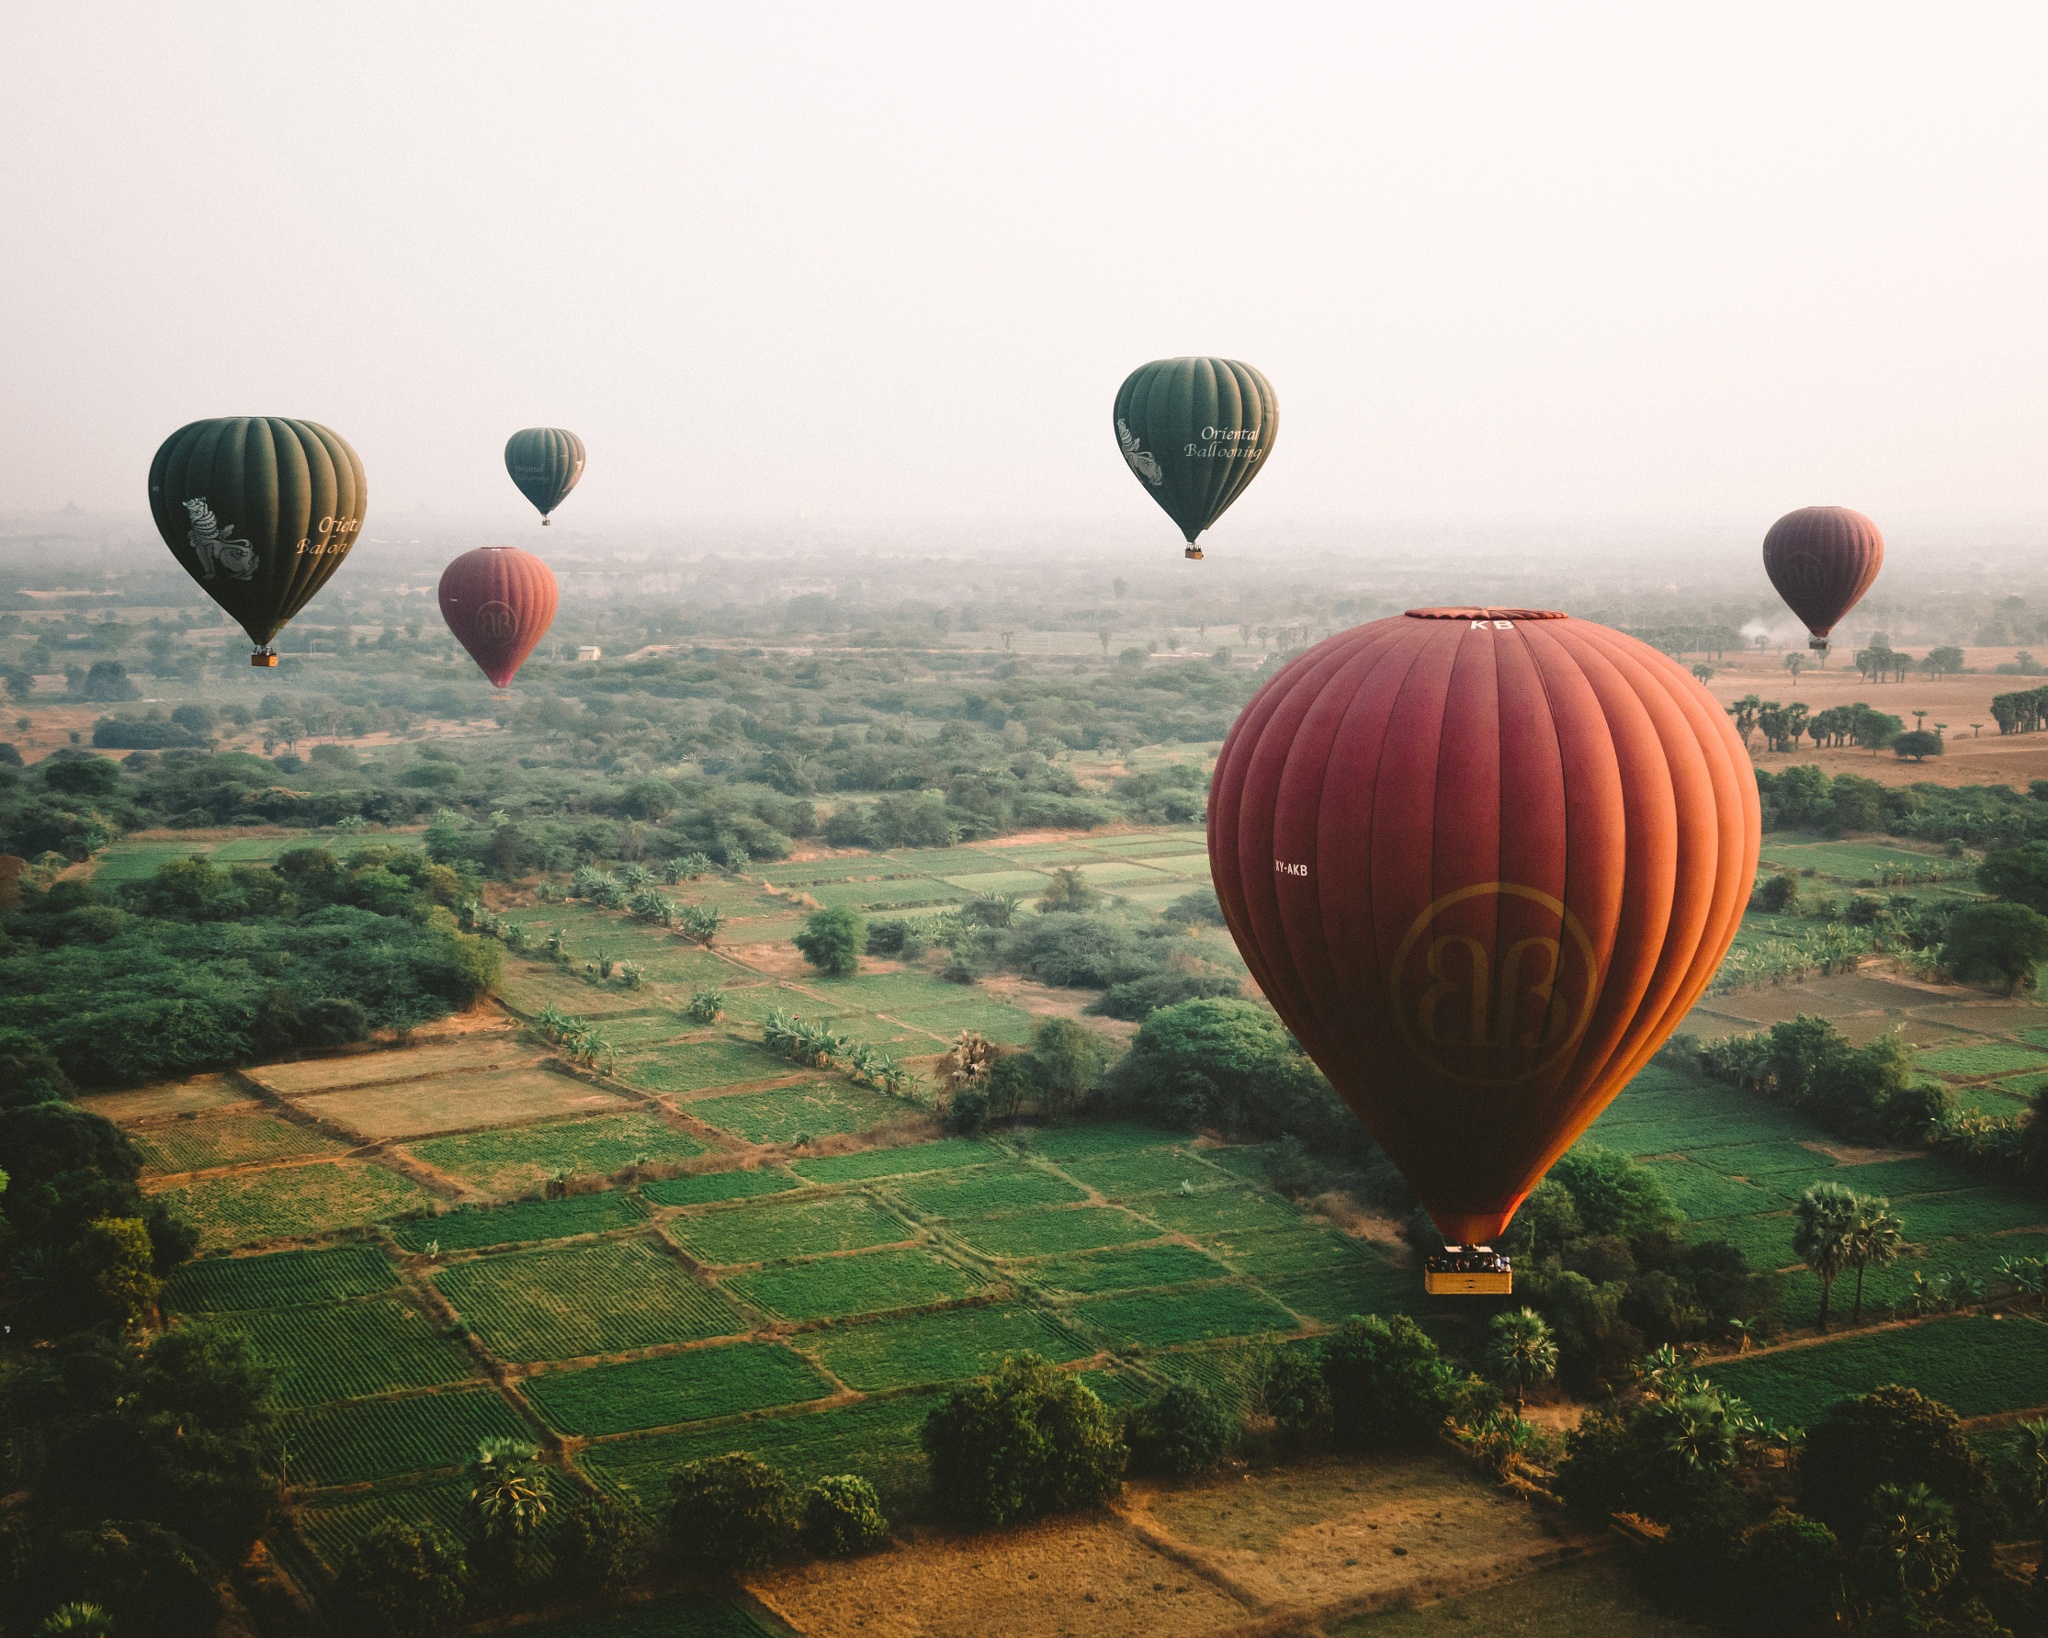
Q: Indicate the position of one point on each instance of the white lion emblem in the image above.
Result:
(1142, 461)
(214, 546)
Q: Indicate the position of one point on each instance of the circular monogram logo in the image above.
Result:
(495, 622)
(1494, 984)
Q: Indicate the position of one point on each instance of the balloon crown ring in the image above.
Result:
(1486, 614)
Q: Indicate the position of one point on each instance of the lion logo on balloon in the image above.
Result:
(215, 546)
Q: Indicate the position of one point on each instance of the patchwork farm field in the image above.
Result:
(674, 1270)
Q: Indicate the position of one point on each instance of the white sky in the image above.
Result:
(886, 260)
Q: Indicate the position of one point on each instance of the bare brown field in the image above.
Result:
(456, 1103)
(1253, 1550)
(166, 1098)
(1866, 1003)
(1981, 756)
(501, 1050)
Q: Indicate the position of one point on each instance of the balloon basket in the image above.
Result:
(263, 656)
(1818, 644)
(1194, 552)
(1468, 1271)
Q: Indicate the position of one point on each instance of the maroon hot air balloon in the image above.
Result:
(1822, 559)
(1482, 861)
(499, 602)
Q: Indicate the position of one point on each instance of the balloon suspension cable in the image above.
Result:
(1194, 552)
(265, 655)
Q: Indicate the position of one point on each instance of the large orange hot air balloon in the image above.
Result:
(1482, 861)
(499, 602)
(1822, 559)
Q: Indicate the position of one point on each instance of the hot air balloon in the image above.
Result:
(499, 602)
(1822, 559)
(1194, 432)
(1481, 861)
(545, 463)
(260, 511)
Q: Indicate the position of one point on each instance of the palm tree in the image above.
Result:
(1820, 1235)
(1520, 1353)
(508, 1499)
(1912, 1539)
(1874, 1238)
(76, 1620)
(1695, 1432)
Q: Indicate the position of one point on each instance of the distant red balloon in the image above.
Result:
(1822, 559)
(499, 602)
(1482, 861)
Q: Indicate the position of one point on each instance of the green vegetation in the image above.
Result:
(876, 1282)
(705, 1188)
(296, 1202)
(787, 1228)
(694, 1386)
(474, 1229)
(516, 1160)
(944, 1347)
(581, 1300)
(1025, 1442)
(380, 1438)
(284, 1279)
(346, 1350)
(228, 1140)
(1976, 1366)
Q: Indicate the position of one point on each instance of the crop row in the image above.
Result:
(348, 1350)
(472, 1228)
(280, 1279)
(693, 1386)
(228, 1140)
(378, 1438)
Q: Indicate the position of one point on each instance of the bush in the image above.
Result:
(1288, 1386)
(1136, 999)
(598, 1546)
(1603, 1469)
(1201, 907)
(1027, 1441)
(1181, 1433)
(895, 938)
(1389, 1386)
(1789, 1575)
(401, 1581)
(842, 1516)
(728, 1514)
(1996, 941)
(831, 942)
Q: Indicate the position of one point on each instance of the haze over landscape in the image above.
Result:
(666, 971)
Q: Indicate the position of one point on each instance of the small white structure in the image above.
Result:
(590, 651)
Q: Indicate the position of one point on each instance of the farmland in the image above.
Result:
(670, 1267)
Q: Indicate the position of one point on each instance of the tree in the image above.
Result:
(108, 680)
(1789, 1575)
(1910, 1546)
(401, 1581)
(1520, 1353)
(1894, 1436)
(113, 1261)
(2017, 874)
(1874, 1239)
(1068, 890)
(598, 1546)
(1820, 1235)
(728, 1514)
(1027, 1441)
(1744, 711)
(831, 942)
(1389, 1386)
(1918, 744)
(1615, 1195)
(2005, 940)
(507, 1504)
(1943, 662)
(1179, 1434)
(1070, 1059)
(842, 1516)
(78, 1619)
(1288, 1387)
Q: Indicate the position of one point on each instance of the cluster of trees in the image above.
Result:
(1880, 663)
(1784, 725)
(1990, 816)
(1867, 1094)
(2022, 712)
(201, 968)
(1881, 1515)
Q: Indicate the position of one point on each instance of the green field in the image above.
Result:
(693, 1386)
(583, 1300)
(900, 1162)
(982, 1190)
(1126, 1269)
(201, 1142)
(1975, 1366)
(473, 1229)
(348, 1350)
(519, 1159)
(293, 1202)
(1037, 1234)
(1190, 1316)
(381, 1438)
(1992, 1058)
(938, 1347)
(282, 1279)
(790, 1114)
(702, 1188)
(696, 1066)
(787, 1228)
(871, 1283)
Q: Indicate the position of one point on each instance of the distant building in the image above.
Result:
(590, 651)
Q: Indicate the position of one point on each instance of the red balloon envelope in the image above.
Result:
(499, 602)
(1822, 559)
(1482, 861)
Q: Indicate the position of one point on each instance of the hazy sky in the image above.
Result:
(1499, 261)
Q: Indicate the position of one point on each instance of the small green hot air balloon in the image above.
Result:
(260, 511)
(1195, 431)
(545, 463)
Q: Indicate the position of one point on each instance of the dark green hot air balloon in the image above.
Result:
(545, 463)
(1195, 431)
(260, 511)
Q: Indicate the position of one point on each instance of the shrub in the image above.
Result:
(1389, 1386)
(707, 1004)
(841, 1516)
(896, 938)
(1181, 1433)
(599, 1546)
(1778, 894)
(1789, 1575)
(1136, 999)
(1199, 907)
(401, 1580)
(1288, 1387)
(729, 1514)
(1027, 1441)
(1603, 1469)
(1996, 941)
(831, 942)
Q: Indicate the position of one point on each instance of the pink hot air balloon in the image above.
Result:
(499, 602)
